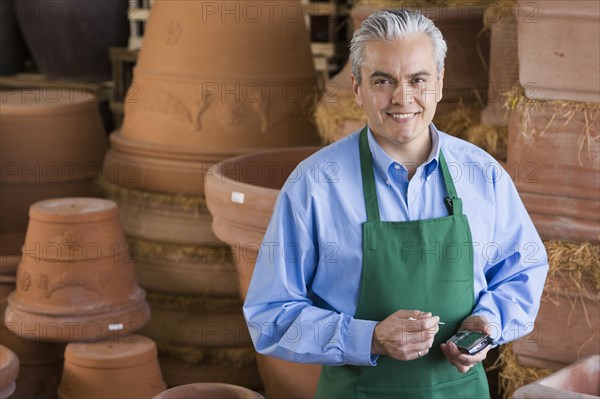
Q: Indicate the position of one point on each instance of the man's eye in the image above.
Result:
(379, 82)
(418, 80)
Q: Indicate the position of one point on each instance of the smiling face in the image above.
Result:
(399, 91)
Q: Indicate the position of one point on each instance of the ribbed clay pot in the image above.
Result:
(209, 390)
(9, 369)
(465, 78)
(210, 85)
(124, 368)
(70, 38)
(52, 144)
(76, 281)
(550, 68)
(241, 194)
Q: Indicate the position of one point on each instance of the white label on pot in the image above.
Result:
(237, 197)
(115, 327)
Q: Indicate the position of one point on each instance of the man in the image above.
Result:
(383, 236)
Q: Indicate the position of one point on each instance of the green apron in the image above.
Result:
(425, 265)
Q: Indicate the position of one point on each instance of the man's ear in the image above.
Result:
(355, 87)
(440, 86)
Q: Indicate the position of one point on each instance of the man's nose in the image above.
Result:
(404, 94)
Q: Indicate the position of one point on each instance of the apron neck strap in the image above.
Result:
(452, 202)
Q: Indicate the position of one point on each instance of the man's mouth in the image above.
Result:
(401, 115)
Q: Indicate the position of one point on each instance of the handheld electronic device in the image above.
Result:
(470, 342)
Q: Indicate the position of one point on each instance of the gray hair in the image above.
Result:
(395, 24)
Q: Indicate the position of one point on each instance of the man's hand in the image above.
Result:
(405, 335)
(461, 361)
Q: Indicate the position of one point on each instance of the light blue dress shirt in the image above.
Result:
(306, 283)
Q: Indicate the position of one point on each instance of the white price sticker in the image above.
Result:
(238, 198)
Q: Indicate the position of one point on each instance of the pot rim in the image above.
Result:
(85, 102)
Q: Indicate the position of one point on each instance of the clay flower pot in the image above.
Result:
(578, 380)
(125, 368)
(207, 87)
(52, 144)
(241, 194)
(76, 281)
(9, 369)
(547, 65)
(81, 32)
(209, 390)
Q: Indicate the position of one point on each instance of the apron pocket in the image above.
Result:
(467, 386)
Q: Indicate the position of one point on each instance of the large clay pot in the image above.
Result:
(555, 165)
(576, 381)
(12, 46)
(125, 368)
(9, 369)
(465, 79)
(566, 328)
(209, 390)
(76, 281)
(70, 38)
(241, 194)
(208, 86)
(52, 144)
(549, 64)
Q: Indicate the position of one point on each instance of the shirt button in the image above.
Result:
(387, 182)
(396, 166)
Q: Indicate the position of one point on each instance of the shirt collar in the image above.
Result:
(383, 162)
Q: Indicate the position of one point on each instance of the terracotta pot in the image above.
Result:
(82, 32)
(504, 69)
(51, 144)
(12, 46)
(125, 368)
(174, 273)
(549, 66)
(76, 281)
(566, 328)
(164, 218)
(160, 168)
(40, 363)
(207, 91)
(9, 369)
(222, 365)
(578, 380)
(212, 390)
(209, 322)
(241, 194)
(556, 167)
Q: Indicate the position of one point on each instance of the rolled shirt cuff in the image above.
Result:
(358, 343)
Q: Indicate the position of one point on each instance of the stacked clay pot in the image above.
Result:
(241, 194)
(209, 390)
(9, 369)
(123, 368)
(40, 362)
(465, 77)
(76, 281)
(207, 86)
(52, 144)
